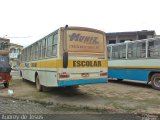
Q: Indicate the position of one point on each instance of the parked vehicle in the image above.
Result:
(136, 60)
(69, 56)
(5, 67)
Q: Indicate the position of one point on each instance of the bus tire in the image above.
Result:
(120, 79)
(38, 85)
(73, 87)
(155, 81)
(22, 76)
(6, 85)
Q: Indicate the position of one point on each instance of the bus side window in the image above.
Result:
(36, 50)
(150, 48)
(39, 49)
(109, 52)
(122, 51)
(130, 51)
(49, 46)
(154, 48)
(115, 53)
(43, 48)
(54, 44)
(141, 50)
(31, 53)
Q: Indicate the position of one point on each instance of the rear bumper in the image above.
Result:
(5, 77)
(3, 81)
(81, 81)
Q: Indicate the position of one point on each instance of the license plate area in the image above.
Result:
(85, 75)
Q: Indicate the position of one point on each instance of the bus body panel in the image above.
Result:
(29, 74)
(48, 78)
(138, 69)
(135, 63)
(130, 74)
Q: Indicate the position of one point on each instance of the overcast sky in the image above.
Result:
(34, 19)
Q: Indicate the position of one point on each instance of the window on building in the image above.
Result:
(121, 41)
(112, 41)
(142, 37)
(4, 45)
(13, 50)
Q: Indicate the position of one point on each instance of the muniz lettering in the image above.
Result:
(83, 39)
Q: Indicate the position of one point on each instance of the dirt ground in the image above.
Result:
(112, 97)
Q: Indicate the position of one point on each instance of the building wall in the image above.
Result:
(15, 51)
(117, 37)
(4, 46)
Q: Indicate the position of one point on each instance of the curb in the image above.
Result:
(64, 105)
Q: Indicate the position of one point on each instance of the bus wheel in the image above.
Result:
(22, 76)
(6, 85)
(38, 85)
(73, 87)
(120, 79)
(155, 81)
(20, 73)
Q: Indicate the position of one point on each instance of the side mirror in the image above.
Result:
(65, 59)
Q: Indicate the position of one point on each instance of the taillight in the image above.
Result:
(63, 75)
(103, 73)
(5, 76)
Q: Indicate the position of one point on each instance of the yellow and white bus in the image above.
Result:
(69, 56)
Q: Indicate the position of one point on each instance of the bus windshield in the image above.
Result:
(85, 41)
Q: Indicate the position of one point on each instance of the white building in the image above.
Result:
(15, 51)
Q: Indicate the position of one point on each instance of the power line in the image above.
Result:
(17, 36)
(20, 37)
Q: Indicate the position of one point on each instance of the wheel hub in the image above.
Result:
(157, 82)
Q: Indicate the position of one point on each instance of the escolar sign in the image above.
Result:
(84, 41)
(86, 63)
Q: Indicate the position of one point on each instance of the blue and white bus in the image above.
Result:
(136, 60)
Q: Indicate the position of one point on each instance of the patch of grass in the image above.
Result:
(128, 109)
(15, 82)
(38, 95)
(66, 107)
(151, 101)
